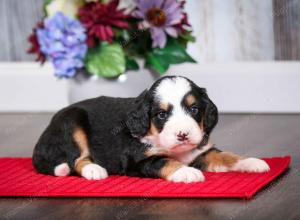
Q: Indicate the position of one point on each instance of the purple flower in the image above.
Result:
(160, 16)
(63, 41)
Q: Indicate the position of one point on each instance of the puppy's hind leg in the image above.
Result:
(84, 165)
(56, 151)
(63, 148)
(62, 169)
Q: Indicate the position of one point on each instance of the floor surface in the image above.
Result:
(249, 135)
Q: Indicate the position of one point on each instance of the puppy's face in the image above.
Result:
(179, 113)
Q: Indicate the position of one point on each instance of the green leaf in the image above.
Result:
(161, 59)
(131, 64)
(156, 63)
(106, 60)
(46, 2)
(185, 38)
(188, 36)
(121, 33)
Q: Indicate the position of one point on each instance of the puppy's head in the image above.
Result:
(174, 116)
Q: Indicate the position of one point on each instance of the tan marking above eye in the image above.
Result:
(164, 106)
(190, 100)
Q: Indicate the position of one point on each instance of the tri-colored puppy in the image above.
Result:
(163, 133)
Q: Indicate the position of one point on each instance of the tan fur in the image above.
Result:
(79, 164)
(82, 142)
(164, 106)
(153, 136)
(215, 159)
(153, 130)
(150, 153)
(154, 151)
(170, 167)
(190, 100)
(201, 124)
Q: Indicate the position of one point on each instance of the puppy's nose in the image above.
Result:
(182, 136)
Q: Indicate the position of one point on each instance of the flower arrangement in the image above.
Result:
(107, 37)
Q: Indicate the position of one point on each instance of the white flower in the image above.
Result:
(67, 7)
(128, 5)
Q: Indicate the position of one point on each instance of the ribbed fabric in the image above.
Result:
(19, 178)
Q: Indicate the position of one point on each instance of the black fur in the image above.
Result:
(109, 131)
(114, 127)
(208, 107)
(138, 119)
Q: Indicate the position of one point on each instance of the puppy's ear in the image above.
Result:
(210, 116)
(138, 119)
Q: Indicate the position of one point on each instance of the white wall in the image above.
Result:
(231, 30)
(235, 87)
(227, 32)
(30, 87)
(249, 87)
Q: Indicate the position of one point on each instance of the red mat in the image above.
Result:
(18, 178)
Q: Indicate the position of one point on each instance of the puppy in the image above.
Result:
(163, 133)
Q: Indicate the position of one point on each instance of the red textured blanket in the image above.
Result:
(18, 178)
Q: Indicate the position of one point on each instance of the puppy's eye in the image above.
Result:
(194, 110)
(162, 115)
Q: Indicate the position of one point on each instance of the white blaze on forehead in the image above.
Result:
(172, 90)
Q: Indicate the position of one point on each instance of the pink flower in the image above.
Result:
(99, 19)
(35, 45)
(162, 17)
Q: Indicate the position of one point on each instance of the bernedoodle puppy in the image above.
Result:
(162, 133)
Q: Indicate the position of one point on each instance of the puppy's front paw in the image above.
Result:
(94, 172)
(187, 175)
(251, 165)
